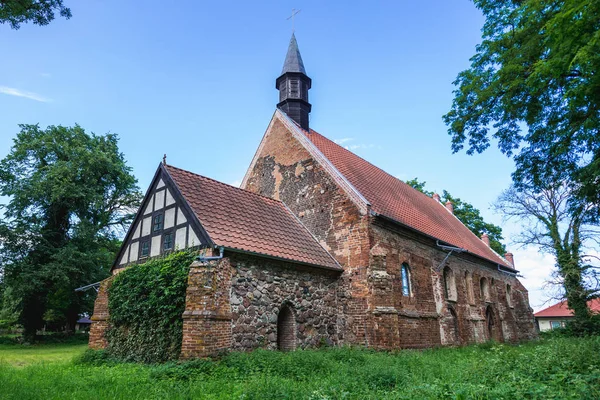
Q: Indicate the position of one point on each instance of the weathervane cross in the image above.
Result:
(293, 18)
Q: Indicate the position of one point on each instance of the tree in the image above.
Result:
(40, 12)
(557, 223)
(534, 83)
(70, 196)
(469, 216)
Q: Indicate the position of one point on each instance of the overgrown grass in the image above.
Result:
(556, 368)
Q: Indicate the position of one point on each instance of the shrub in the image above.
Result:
(146, 303)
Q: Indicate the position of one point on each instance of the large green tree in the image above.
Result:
(534, 87)
(40, 12)
(468, 215)
(70, 196)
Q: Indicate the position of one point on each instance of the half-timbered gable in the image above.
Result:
(163, 223)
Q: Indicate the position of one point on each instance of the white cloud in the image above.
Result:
(236, 183)
(22, 93)
(343, 140)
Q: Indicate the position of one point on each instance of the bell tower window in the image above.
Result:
(294, 88)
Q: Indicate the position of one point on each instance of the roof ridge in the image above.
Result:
(373, 165)
(226, 184)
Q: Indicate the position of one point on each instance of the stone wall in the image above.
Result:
(99, 319)
(286, 171)
(260, 288)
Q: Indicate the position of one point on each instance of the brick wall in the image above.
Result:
(99, 318)
(427, 317)
(207, 315)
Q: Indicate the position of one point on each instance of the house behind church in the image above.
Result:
(319, 245)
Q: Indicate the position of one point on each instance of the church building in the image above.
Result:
(320, 246)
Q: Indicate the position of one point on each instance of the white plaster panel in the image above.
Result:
(181, 219)
(170, 198)
(125, 258)
(136, 231)
(147, 223)
(148, 209)
(133, 252)
(180, 238)
(155, 246)
(159, 201)
(194, 241)
(170, 218)
(160, 184)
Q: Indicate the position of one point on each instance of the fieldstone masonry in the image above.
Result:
(259, 291)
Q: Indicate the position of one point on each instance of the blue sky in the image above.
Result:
(196, 80)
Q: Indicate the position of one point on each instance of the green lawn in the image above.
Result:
(22, 355)
(549, 369)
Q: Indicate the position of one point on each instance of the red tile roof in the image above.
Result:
(392, 198)
(239, 219)
(561, 309)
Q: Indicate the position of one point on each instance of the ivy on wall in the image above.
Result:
(145, 303)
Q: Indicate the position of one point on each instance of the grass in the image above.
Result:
(555, 368)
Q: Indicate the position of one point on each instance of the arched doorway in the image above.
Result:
(286, 329)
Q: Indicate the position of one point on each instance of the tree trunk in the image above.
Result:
(571, 272)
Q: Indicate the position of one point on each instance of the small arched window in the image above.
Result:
(485, 290)
(449, 284)
(405, 275)
(509, 295)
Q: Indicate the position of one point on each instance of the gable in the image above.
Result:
(163, 223)
(279, 120)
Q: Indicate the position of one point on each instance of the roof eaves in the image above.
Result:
(390, 219)
(290, 260)
(507, 264)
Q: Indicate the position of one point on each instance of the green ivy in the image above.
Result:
(145, 303)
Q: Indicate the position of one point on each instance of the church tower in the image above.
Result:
(293, 85)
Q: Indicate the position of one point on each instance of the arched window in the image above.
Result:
(509, 295)
(485, 290)
(449, 284)
(405, 274)
(469, 287)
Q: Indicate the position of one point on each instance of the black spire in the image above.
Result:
(293, 85)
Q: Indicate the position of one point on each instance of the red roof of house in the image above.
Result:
(239, 219)
(561, 309)
(392, 198)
